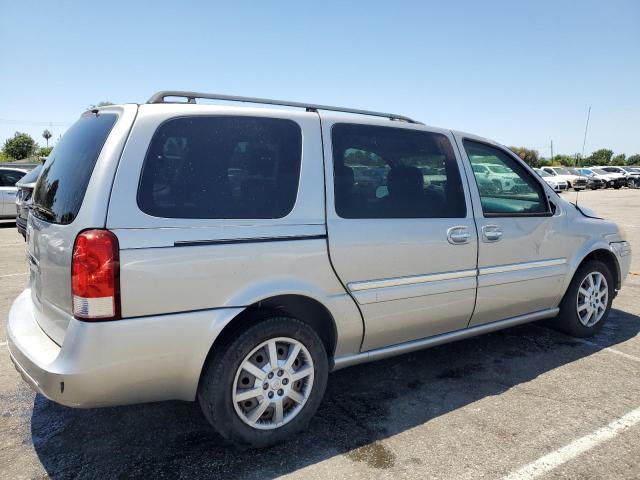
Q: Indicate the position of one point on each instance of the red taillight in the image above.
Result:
(95, 276)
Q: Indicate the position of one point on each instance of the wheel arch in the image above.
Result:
(304, 308)
(605, 256)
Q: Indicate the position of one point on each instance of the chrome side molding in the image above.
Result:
(412, 346)
(513, 267)
(411, 280)
(455, 275)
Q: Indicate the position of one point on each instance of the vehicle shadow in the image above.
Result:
(7, 224)
(361, 406)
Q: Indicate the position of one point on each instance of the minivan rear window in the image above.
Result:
(61, 187)
(222, 167)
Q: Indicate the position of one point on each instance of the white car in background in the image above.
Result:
(574, 181)
(9, 176)
(503, 179)
(631, 178)
(554, 182)
(634, 173)
(620, 176)
(610, 181)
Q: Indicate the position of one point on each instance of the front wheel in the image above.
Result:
(587, 302)
(263, 386)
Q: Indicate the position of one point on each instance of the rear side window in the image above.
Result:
(222, 167)
(61, 187)
(386, 172)
(506, 187)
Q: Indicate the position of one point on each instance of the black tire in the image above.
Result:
(567, 320)
(217, 382)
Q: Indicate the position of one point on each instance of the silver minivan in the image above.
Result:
(236, 255)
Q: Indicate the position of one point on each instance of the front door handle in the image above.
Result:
(491, 233)
(458, 235)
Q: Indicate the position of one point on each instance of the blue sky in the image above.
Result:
(522, 73)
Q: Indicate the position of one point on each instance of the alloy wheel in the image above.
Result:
(273, 383)
(593, 298)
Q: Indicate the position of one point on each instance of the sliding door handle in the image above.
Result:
(458, 235)
(491, 233)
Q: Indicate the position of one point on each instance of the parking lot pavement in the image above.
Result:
(526, 403)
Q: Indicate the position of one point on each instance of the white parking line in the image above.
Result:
(3, 344)
(13, 274)
(11, 244)
(554, 459)
(608, 349)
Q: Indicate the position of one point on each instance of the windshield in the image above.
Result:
(562, 171)
(60, 189)
(542, 173)
(498, 169)
(586, 171)
(599, 171)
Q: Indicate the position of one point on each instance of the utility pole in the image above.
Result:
(551, 151)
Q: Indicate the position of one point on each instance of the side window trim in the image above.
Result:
(158, 129)
(509, 153)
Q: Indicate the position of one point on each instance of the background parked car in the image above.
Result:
(618, 174)
(9, 176)
(502, 179)
(632, 178)
(635, 176)
(554, 182)
(596, 180)
(593, 184)
(23, 198)
(612, 180)
(575, 181)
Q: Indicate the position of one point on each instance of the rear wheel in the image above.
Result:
(263, 386)
(587, 302)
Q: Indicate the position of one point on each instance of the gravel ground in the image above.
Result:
(479, 408)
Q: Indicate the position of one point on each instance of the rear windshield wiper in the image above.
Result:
(44, 212)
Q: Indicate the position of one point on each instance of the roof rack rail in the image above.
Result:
(192, 96)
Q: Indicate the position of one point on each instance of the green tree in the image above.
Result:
(601, 157)
(20, 146)
(566, 160)
(619, 159)
(544, 162)
(531, 157)
(47, 135)
(633, 159)
(44, 151)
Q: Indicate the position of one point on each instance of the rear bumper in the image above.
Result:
(114, 363)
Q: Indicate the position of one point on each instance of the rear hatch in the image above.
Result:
(65, 201)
